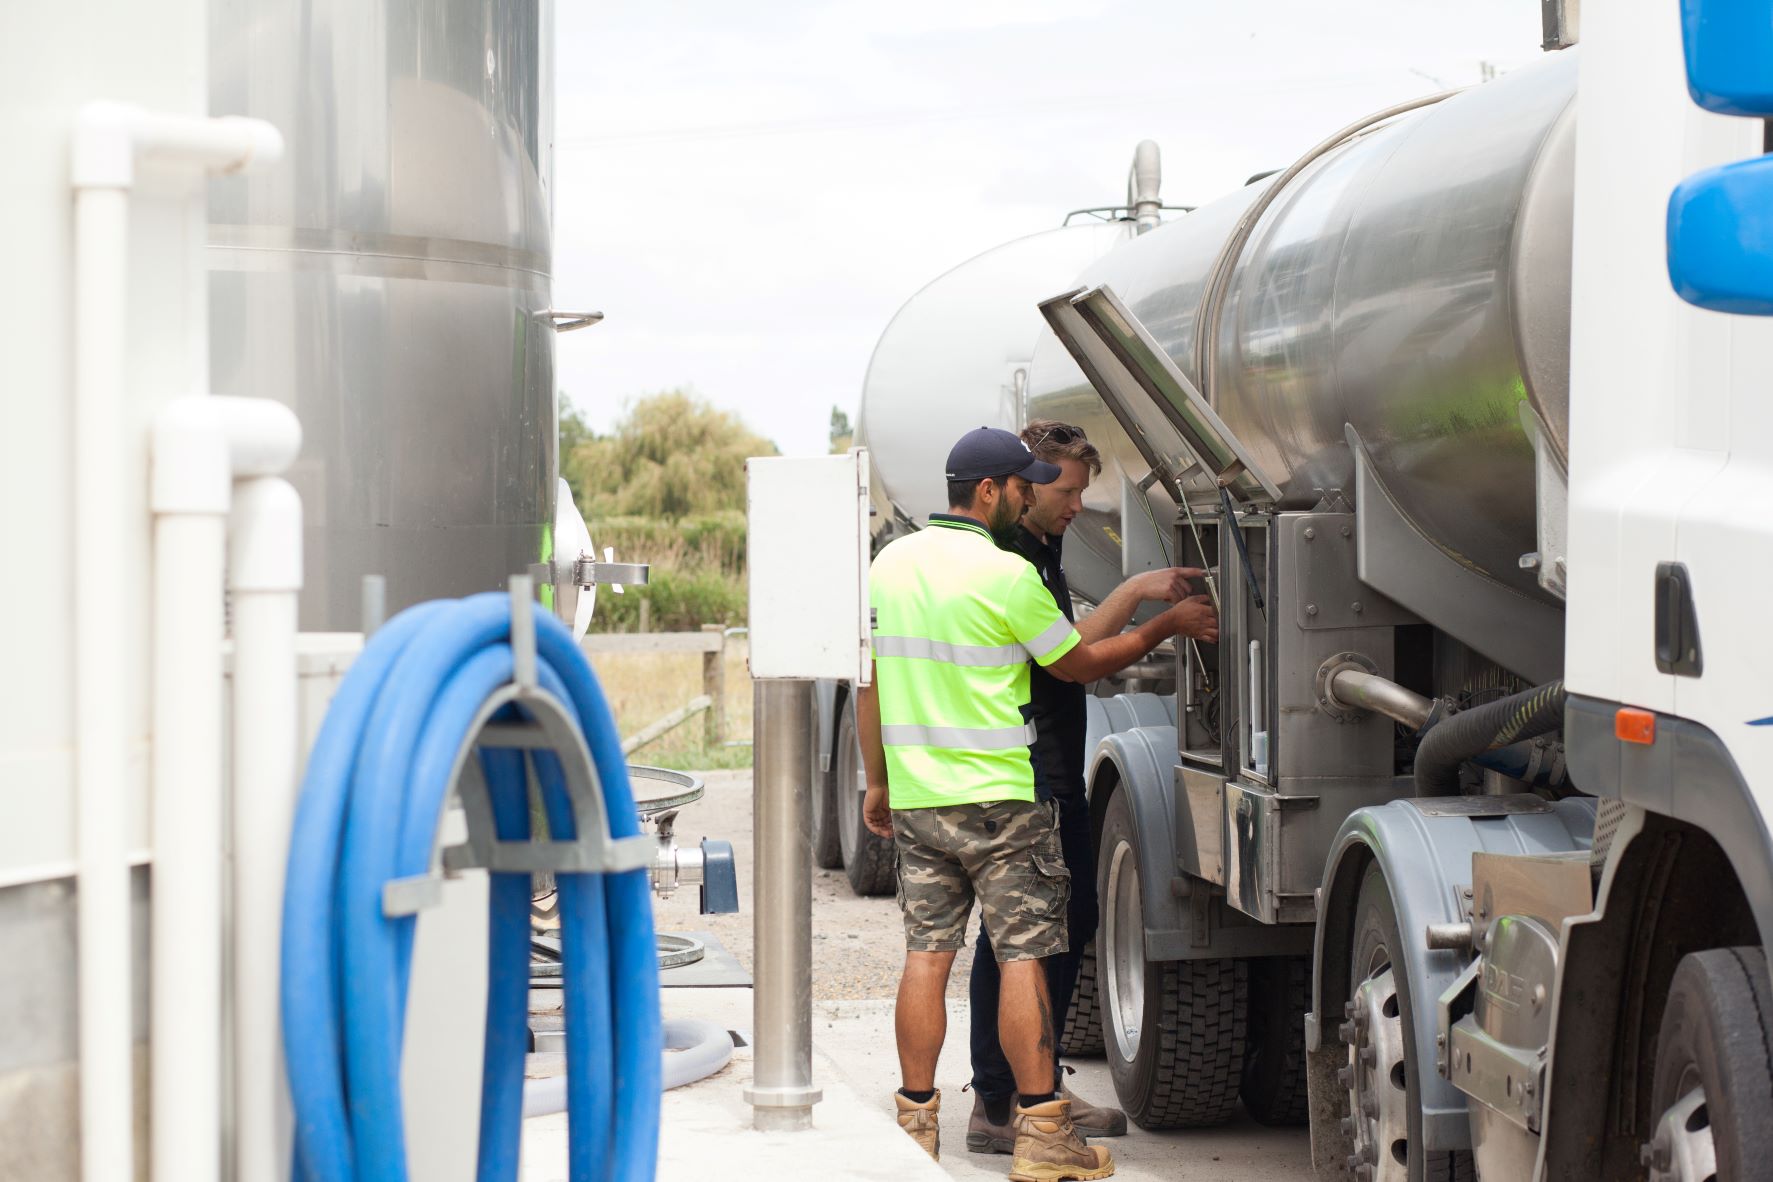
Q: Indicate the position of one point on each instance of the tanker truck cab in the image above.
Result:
(1456, 843)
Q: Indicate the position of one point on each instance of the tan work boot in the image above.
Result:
(1048, 1148)
(1091, 1121)
(920, 1121)
(985, 1136)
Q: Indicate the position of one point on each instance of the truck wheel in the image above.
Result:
(1174, 1030)
(827, 846)
(1383, 1100)
(1083, 1026)
(1273, 1087)
(1712, 1092)
(867, 858)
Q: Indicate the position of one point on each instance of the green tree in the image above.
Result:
(841, 432)
(671, 455)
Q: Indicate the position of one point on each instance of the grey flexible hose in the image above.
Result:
(694, 1050)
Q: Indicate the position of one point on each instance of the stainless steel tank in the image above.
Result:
(956, 356)
(389, 280)
(1413, 283)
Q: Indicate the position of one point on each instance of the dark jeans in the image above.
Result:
(992, 1077)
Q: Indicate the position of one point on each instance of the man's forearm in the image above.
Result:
(868, 733)
(1090, 661)
(1110, 616)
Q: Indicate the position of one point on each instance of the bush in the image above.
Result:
(680, 601)
(666, 488)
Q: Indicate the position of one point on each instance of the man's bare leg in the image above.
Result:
(921, 1017)
(1025, 1025)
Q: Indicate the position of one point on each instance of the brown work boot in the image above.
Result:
(1091, 1121)
(920, 1121)
(985, 1136)
(1048, 1148)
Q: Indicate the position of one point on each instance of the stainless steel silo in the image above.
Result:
(390, 281)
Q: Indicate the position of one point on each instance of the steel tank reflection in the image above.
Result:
(1413, 283)
(389, 280)
(956, 356)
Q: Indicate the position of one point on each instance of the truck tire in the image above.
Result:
(1083, 1025)
(827, 846)
(1173, 1030)
(867, 858)
(1711, 1097)
(1380, 1019)
(1273, 1087)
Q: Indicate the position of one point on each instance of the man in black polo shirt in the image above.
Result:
(1057, 710)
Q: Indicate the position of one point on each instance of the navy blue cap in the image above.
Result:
(992, 451)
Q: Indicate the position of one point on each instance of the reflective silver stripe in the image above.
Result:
(1051, 639)
(971, 655)
(965, 738)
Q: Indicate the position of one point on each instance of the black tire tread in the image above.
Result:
(1200, 1045)
(1083, 1026)
(871, 871)
(1731, 990)
(1274, 1077)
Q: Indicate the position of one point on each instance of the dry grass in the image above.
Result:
(643, 687)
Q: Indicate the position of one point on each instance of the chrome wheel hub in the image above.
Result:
(1378, 1123)
(1123, 938)
(1682, 1149)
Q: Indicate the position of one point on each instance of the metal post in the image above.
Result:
(714, 685)
(782, 1093)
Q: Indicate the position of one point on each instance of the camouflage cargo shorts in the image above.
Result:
(1006, 853)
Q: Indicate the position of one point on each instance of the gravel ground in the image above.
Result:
(858, 944)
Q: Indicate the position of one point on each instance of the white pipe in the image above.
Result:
(1258, 725)
(185, 969)
(107, 1095)
(199, 445)
(265, 575)
(108, 140)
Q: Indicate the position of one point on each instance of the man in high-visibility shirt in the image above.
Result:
(946, 741)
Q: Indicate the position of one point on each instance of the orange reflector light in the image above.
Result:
(1635, 726)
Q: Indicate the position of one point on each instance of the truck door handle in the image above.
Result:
(1677, 622)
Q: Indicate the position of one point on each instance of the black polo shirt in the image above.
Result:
(1056, 707)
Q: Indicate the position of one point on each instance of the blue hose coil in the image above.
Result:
(376, 782)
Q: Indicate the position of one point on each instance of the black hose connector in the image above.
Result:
(1470, 733)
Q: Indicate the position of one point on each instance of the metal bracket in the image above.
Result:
(548, 725)
(588, 572)
(569, 321)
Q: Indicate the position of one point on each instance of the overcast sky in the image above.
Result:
(749, 191)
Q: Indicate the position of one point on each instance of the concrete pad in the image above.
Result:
(706, 1128)
(856, 1039)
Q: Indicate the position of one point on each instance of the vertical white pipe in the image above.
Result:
(265, 575)
(186, 977)
(107, 1092)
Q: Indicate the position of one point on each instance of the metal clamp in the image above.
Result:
(588, 572)
(548, 726)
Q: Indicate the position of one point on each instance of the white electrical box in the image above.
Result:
(807, 541)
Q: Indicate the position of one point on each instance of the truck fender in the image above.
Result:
(1424, 848)
(1139, 762)
(1123, 712)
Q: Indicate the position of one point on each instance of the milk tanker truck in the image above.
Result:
(1454, 845)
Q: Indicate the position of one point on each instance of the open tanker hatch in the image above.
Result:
(1186, 444)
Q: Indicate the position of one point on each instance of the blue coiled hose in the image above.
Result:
(376, 781)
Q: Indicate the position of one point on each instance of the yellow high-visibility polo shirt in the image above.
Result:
(956, 621)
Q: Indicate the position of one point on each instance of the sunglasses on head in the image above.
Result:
(1060, 434)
